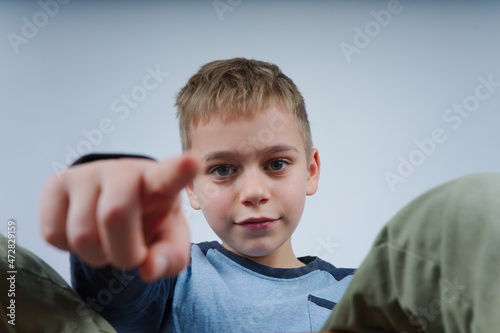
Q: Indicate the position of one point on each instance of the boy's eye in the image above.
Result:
(221, 171)
(277, 165)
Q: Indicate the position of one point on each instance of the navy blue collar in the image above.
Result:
(312, 263)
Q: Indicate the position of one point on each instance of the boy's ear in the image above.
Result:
(313, 172)
(193, 197)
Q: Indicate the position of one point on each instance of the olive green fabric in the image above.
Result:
(44, 302)
(435, 267)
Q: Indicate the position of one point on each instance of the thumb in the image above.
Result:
(170, 252)
(165, 226)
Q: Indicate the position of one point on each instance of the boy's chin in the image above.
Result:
(252, 251)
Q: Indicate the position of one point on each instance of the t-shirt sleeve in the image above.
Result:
(122, 298)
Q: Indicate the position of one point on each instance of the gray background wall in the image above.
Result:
(378, 88)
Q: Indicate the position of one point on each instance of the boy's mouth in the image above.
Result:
(258, 223)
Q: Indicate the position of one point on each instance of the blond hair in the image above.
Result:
(234, 88)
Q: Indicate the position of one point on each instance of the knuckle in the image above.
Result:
(129, 166)
(84, 240)
(115, 215)
(127, 258)
(92, 254)
(53, 184)
(53, 236)
(157, 190)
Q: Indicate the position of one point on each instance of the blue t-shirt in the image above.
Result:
(218, 292)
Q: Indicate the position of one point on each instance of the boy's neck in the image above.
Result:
(284, 257)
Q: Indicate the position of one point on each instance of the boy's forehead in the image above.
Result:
(243, 152)
(230, 114)
(260, 130)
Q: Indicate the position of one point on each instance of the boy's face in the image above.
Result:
(254, 179)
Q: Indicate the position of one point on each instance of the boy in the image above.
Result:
(249, 167)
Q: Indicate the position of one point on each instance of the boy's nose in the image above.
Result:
(253, 189)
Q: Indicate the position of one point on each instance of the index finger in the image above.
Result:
(164, 181)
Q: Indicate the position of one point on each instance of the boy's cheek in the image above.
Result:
(207, 192)
(212, 198)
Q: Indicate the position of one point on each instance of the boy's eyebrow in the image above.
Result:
(227, 154)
